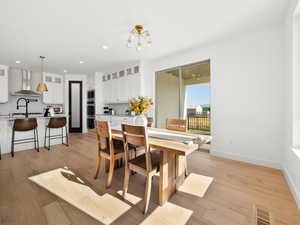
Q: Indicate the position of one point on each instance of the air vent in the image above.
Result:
(262, 216)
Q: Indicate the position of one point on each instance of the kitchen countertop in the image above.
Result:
(118, 115)
(6, 117)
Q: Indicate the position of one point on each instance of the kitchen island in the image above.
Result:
(6, 124)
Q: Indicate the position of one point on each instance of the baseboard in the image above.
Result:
(259, 162)
(292, 186)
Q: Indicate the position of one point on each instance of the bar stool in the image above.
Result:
(56, 123)
(22, 125)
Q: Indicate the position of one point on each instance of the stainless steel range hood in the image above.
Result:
(25, 77)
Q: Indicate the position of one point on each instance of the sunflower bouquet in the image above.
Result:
(140, 105)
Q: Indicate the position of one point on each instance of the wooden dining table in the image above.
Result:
(172, 159)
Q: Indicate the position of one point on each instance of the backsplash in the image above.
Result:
(119, 108)
(11, 106)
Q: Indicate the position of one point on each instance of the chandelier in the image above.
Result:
(138, 38)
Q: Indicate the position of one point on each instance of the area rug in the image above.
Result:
(196, 184)
(67, 186)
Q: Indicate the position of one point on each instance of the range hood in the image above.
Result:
(24, 77)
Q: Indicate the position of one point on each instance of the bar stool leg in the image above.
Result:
(67, 136)
(49, 139)
(34, 139)
(45, 137)
(0, 153)
(12, 152)
(37, 139)
(62, 135)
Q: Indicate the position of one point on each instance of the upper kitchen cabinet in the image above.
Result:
(119, 87)
(55, 84)
(3, 84)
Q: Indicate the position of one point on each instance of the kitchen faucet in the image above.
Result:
(26, 104)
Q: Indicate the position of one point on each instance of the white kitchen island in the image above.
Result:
(116, 120)
(6, 125)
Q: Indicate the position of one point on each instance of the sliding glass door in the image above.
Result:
(184, 93)
(167, 96)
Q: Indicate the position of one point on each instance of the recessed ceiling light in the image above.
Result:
(65, 71)
(81, 62)
(18, 62)
(105, 47)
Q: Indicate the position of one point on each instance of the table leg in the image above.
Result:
(180, 170)
(167, 182)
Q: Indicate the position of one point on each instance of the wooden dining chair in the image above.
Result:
(146, 164)
(149, 121)
(107, 150)
(178, 125)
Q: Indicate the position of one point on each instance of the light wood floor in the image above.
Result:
(236, 188)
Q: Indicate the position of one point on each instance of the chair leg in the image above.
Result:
(62, 135)
(147, 193)
(111, 172)
(37, 140)
(67, 136)
(13, 144)
(0, 153)
(49, 138)
(185, 167)
(126, 181)
(34, 139)
(98, 167)
(45, 138)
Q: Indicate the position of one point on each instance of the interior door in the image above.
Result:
(75, 106)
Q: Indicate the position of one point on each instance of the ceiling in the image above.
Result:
(196, 73)
(68, 31)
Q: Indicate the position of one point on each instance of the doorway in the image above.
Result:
(184, 93)
(75, 106)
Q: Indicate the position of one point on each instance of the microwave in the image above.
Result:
(58, 110)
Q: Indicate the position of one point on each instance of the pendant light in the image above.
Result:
(42, 87)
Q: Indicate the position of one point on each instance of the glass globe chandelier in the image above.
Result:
(138, 38)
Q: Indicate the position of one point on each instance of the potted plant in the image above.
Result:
(140, 106)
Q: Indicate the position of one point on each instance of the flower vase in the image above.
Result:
(140, 120)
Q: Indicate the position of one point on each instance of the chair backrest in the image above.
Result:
(176, 125)
(104, 136)
(137, 136)
(25, 124)
(149, 121)
(57, 122)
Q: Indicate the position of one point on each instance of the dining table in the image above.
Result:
(174, 146)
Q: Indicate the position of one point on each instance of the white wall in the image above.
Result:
(291, 159)
(83, 78)
(247, 94)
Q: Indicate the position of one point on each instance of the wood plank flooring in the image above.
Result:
(229, 200)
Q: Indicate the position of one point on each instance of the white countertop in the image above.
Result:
(39, 117)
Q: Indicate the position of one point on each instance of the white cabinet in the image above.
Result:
(3, 84)
(55, 84)
(122, 86)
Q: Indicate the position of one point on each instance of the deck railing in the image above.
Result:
(199, 122)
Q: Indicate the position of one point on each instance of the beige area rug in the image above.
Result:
(168, 214)
(67, 186)
(196, 184)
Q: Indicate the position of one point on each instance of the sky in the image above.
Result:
(198, 94)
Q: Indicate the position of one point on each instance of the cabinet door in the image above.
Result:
(134, 86)
(125, 89)
(48, 95)
(58, 90)
(109, 91)
(3, 84)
